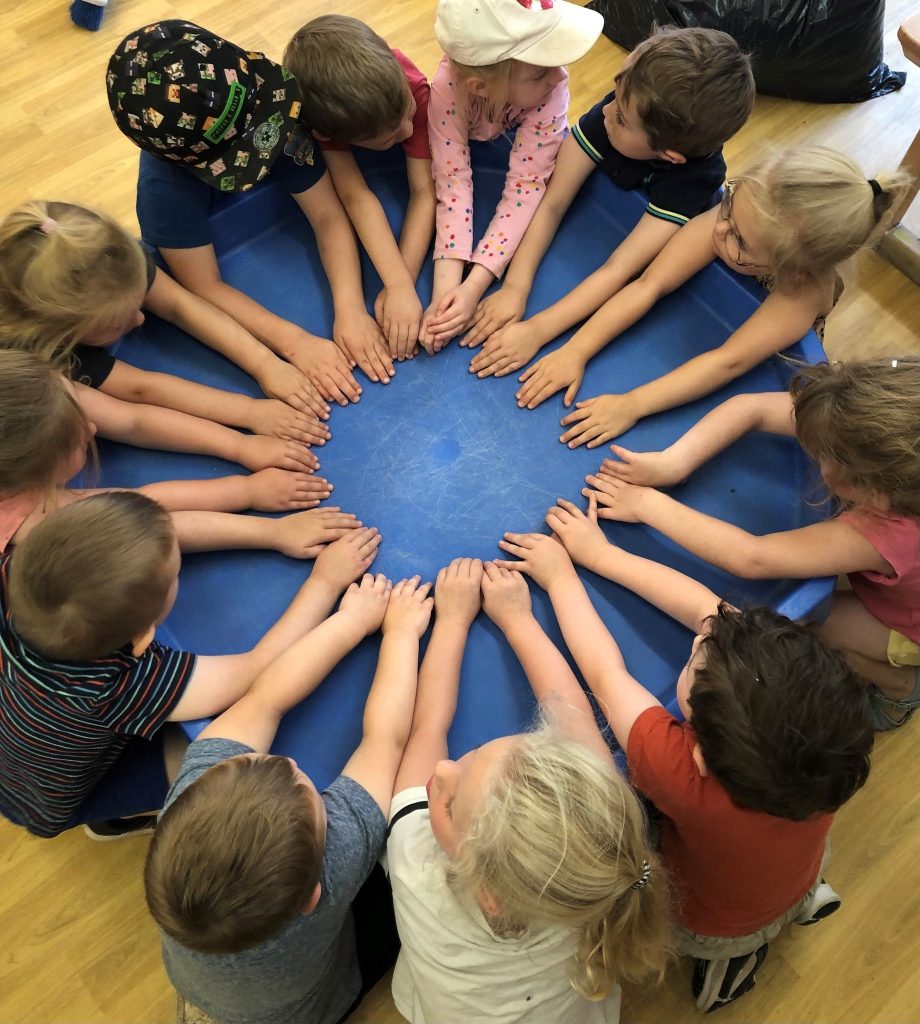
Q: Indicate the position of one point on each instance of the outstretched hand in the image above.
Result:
(542, 558)
(616, 499)
(596, 420)
(649, 469)
(502, 307)
(457, 591)
(410, 607)
(507, 350)
(348, 558)
(366, 602)
(450, 317)
(305, 534)
(563, 368)
(577, 531)
(505, 595)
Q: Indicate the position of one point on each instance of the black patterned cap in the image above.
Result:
(186, 95)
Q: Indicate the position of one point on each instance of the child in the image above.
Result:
(82, 679)
(211, 117)
(860, 422)
(358, 92)
(522, 879)
(502, 70)
(777, 736)
(679, 96)
(793, 217)
(73, 281)
(251, 873)
(44, 440)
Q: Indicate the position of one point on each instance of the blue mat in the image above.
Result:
(443, 463)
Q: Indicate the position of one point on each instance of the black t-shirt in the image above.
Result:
(92, 364)
(676, 192)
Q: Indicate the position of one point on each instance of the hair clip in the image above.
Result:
(877, 189)
(48, 226)
(640, 883)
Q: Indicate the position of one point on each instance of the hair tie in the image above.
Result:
(640, 883)
(877, 189)
(48, 226)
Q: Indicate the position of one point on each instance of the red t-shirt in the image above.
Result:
(416, 146)
(734, 870)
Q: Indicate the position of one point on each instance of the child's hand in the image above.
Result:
(453, 313)
(598, 419)
(346, 559)
(359, 337)
(399, 315)
(285, 382)
(505, 306)
(409, 609)
(324, 364)
(280, 490)
(505, 595)
(543, 558)
(578, 533)
(507, 350)
(305, 534)
(256, 452)
(618, 500)
(652, 469)
(366, 602)
(456, 593)
(563, 368)
(274, 418)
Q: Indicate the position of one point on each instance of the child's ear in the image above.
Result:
(672, 156)
(318, 136)
(140, 643)
(310, 905)
(489, 903)
(476, 86)
(699, 761)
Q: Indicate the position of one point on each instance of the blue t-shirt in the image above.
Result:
(308, 973)
(173, 206)
(676, 192)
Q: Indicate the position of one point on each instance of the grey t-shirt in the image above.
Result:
(308, 973)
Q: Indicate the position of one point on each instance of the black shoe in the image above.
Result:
(719, 982)
(119, 828)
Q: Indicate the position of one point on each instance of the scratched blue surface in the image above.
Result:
(443, 463)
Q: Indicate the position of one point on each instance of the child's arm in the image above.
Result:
(388, 712)
(399, 311)
(506, 600)
(218, 681)
(509, 349)
(418, 225)
(769, 411)
(356, 333)
(530, 164)
(262, 416)
(596, 653)
(456, 603)
(214, 328)
(305, 358)
(822, 549)
(149, 426)
(687, 253)
(779, 322)
(300, 535)
(295, 674)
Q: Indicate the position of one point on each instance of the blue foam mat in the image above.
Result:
(443, 463)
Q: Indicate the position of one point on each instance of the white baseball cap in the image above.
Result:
(547, 33)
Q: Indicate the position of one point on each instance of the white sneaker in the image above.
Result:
(824, 903)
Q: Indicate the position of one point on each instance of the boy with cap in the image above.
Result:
(211, 117)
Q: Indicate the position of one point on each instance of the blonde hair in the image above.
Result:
(497, 78)
(863, 418)
(815, 208)
(91, 577)
(64, 270)
(561, 839)
(41, 423)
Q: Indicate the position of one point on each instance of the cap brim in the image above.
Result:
(238, 177)
(574, 34)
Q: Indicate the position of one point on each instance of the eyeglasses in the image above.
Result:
(734, 244)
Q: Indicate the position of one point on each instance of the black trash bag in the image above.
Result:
(823, 51)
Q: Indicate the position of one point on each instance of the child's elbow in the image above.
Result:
(750, 562)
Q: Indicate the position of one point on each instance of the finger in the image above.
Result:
(572, 391)
(508, 367)
(505, 567)
(577, 435)
(489, 572)
(575, 417)
(421, 592)
(529, 372)
(314, 403)
(442, 576)
(569, 507)
(515, 549)
(384, 364)
(601, 435)
(592, 507)
(524, 539)
(475, 567)
(547, 391)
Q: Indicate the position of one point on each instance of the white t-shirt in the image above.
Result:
(452, 968)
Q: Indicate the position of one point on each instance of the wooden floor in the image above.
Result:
(77, 944)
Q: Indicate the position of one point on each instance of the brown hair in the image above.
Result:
(91, 577)
(562, 839)
(815, 208)
(41, 423)
(497, 78)
(863, 419)
(58, 284)
(353, 87)
(781, 719)
(693, 88)
(235, 857)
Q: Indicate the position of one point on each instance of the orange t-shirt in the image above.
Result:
(734, 870)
